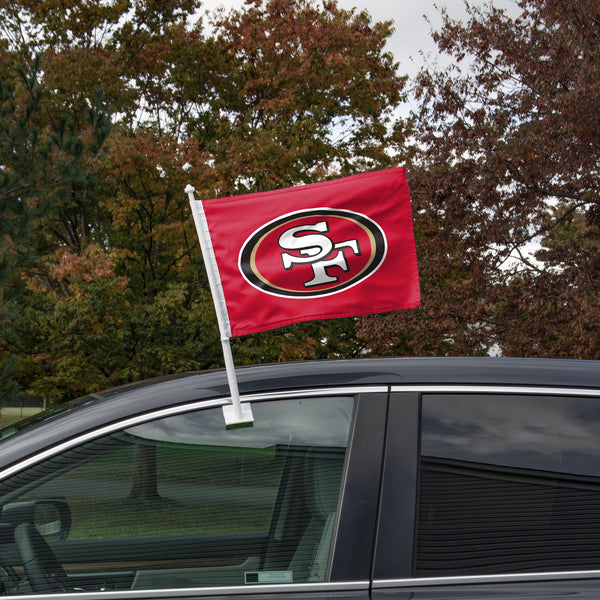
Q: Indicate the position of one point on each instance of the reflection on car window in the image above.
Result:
(535, 432)
(184, 502)
(508, 484)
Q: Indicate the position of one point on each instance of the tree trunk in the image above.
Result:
(145, 484)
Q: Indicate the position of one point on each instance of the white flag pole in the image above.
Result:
(237, 414)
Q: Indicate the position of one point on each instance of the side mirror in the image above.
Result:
(52, 518)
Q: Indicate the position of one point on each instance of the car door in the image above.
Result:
(496, 494)
(174, 500)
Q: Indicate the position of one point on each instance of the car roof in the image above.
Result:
(385, 371)
(113, 405)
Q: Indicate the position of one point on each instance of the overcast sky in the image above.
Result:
(412, 31)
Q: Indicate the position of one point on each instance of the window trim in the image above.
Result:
(381, 584)
(524, 390)
(271, 590)
(445, 580)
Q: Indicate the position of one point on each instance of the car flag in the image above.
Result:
(337, 248)
(332, 249)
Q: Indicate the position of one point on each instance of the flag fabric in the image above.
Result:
(333, 249)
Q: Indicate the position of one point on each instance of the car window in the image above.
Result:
(508, 484)
(183, 501)
(38, 418)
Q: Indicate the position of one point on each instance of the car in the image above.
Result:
(382, 479)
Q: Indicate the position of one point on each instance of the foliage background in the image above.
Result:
(109, 107)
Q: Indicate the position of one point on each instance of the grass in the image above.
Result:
(195, 464)
(109, 519)
(13, 414)
(98, 490)
(176, 465)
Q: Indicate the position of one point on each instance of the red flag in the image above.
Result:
(332, 249)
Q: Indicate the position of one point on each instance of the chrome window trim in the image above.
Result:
(316, 392)
(522, 390)
(177, 410)
(326, 587)
(483, 579)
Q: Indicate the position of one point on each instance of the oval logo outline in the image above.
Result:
(253, 275)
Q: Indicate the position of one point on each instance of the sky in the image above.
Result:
(412, 34)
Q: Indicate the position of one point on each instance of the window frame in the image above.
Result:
(398, 574)
(370, 402)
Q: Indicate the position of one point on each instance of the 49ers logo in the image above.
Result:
(312, 253)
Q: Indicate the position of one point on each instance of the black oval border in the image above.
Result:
(253, 279)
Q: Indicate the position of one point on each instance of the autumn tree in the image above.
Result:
(23, 164)
(505, 187)
(47, 166)
(295, 92)
(16, 216)
(276, 93)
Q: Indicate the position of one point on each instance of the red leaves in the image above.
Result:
(509, 155)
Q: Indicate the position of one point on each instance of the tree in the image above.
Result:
(23, 161)
(277, 93)
(292, 91)
(559, 302)
(46, 168)
(508, 162)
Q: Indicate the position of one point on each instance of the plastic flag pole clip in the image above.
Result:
(236, 414)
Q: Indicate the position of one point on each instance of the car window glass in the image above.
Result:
(29, 422)
(184, 502)
(508, 484)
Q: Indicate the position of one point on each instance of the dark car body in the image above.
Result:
(435, 478)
